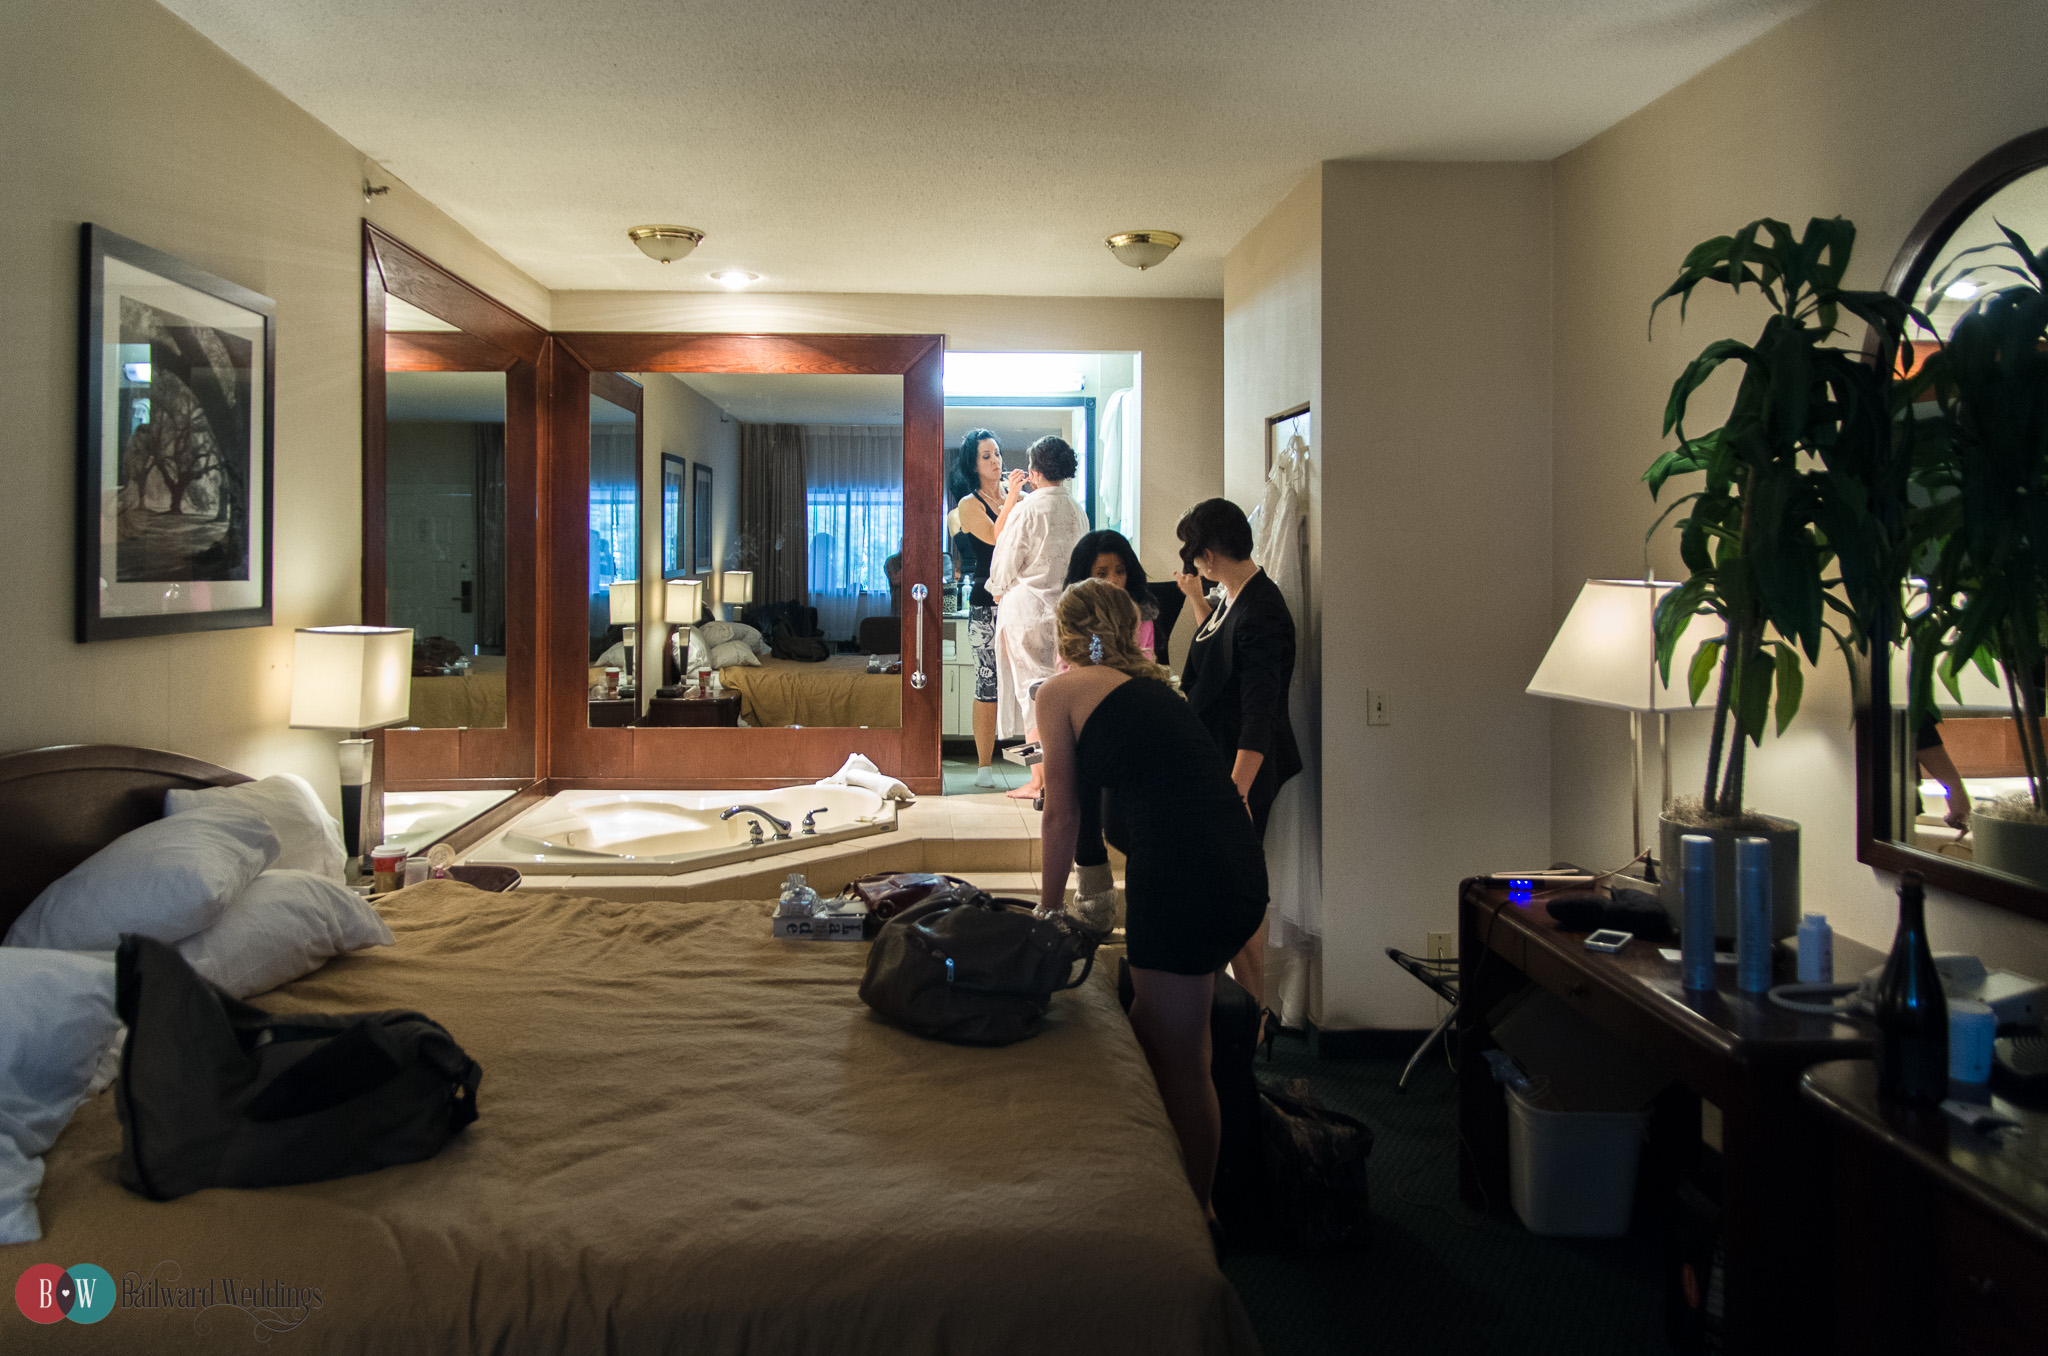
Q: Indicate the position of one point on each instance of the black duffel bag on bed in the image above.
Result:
(216, 1093)
(962, 965)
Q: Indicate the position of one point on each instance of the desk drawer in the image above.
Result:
(1991, 1293)
(1594, 1001)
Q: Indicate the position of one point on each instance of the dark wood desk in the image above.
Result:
(1737, 1051)
(611, 713)
(1941, 1234)
(722, 709)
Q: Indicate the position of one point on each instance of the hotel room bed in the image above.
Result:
(693, 1138)
(838, 691)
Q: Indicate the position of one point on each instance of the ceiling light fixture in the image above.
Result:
(665, 243)
(1143, 249)
(733, 279)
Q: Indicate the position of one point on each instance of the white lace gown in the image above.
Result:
(1029, 569)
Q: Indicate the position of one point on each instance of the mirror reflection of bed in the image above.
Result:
(780, 498)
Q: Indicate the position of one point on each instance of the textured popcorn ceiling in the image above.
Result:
(948, 146)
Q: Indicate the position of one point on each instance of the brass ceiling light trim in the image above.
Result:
(665, 244)
(1143, 249)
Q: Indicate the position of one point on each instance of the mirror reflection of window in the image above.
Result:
(444, 447)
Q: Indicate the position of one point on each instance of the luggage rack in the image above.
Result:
(1440, 975)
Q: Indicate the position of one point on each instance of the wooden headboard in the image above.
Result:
(60, 805)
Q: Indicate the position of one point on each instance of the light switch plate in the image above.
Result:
(1376, 707)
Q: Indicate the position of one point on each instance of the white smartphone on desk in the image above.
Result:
(1609, 940)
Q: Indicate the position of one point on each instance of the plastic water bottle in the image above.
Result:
(798, 900)
(1816, 950)
(1753, 915)
(1696, 923)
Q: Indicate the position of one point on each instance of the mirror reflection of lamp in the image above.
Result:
(682, 603)
(736, 587)
(352, 678)
(1605, 654)
(625, 601)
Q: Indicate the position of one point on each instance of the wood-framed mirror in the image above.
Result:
(814, 500)
(452, 383)
(1912, 783)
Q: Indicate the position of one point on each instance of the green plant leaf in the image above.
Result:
(1791, 685)
(1703, 661)
(1753, 701)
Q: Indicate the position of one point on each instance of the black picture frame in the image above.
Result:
(675, 518)
(176, 437)
(700, 518)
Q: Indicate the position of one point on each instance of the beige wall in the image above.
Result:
(1433, 517)
(118, 113)
(1858, 108)
(682, 423)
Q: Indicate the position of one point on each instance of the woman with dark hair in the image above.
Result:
(1124, 755)
(974, 476)
(1038, 530)
(1108, 554)
(1237, 674)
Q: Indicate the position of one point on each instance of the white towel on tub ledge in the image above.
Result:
(860, 771)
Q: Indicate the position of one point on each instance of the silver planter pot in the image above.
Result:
(2014, 846)
(1783, 835)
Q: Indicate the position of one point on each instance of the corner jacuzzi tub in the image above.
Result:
(639, 833)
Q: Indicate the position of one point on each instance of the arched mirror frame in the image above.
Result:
(491, 336)
(651, 756)
(1878, 765)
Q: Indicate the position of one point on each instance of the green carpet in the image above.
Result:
(1435, 1277)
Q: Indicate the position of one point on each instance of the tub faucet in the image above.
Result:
(811, 819)
(781, 825)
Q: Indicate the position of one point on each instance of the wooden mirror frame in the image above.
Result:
(490, 336)
(1876, 759)
(651, 756)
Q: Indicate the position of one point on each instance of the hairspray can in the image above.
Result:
(1696, 926)
(1753, 915)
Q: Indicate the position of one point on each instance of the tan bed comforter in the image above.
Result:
(839, 691)
(694, 1139)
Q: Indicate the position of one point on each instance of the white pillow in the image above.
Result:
(166, 880)
(699, 657)
(715, 633)
(759, 642)
(734, 652)
(309, 839)
(56, 1020)
(286, 924)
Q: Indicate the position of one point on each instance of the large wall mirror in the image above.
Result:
(757, 524)
(451, 436)
(1941, 799)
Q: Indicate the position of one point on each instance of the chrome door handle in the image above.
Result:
(918, 593)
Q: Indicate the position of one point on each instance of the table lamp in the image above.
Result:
(625, 602)
(352, 678)
(736, 587)
(1605, 654)
(682, 605)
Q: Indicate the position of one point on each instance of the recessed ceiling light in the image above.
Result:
(1962, 289)
(665, 244)
(733, 279)
(1142, 249)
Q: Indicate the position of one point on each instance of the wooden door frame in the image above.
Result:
(490, 337)
(649, 756)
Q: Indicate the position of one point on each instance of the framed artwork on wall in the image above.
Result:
(700, 516)
(175, 433)
(675, 531)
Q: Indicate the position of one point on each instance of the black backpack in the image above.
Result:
(217, 1093)
(961, 965)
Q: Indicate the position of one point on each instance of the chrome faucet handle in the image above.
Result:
(811, 819)
(754, 836)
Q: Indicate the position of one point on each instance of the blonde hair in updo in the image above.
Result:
(1097, 609)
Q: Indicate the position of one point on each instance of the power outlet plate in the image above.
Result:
(1442, 946)
(1376, 708)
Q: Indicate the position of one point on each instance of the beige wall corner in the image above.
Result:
(1434, 440)
(1856, 108)
(119, 113)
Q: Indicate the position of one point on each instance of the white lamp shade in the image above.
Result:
(351, 677)
(1605, 654)
(736, 586)
(682, 601)
(626, 602)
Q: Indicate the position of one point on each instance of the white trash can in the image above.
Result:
(1572, 1174)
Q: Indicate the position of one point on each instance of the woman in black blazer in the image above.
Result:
(1237, 674)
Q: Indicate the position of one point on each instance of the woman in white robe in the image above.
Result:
(1040, 528)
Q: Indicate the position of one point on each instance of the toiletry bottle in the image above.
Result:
(1696, 922)
(1753, 915)
(1816, 950)
(1912, 1014)
(798, 899)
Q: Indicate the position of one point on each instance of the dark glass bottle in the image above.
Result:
(1912, 1014)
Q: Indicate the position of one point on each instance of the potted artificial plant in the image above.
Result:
(1988, 583)
(1798, 531)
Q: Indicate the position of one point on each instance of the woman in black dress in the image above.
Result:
(975, 478)
(1124, 753)
(1237, 673)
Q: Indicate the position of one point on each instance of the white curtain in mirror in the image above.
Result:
(854, 499)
